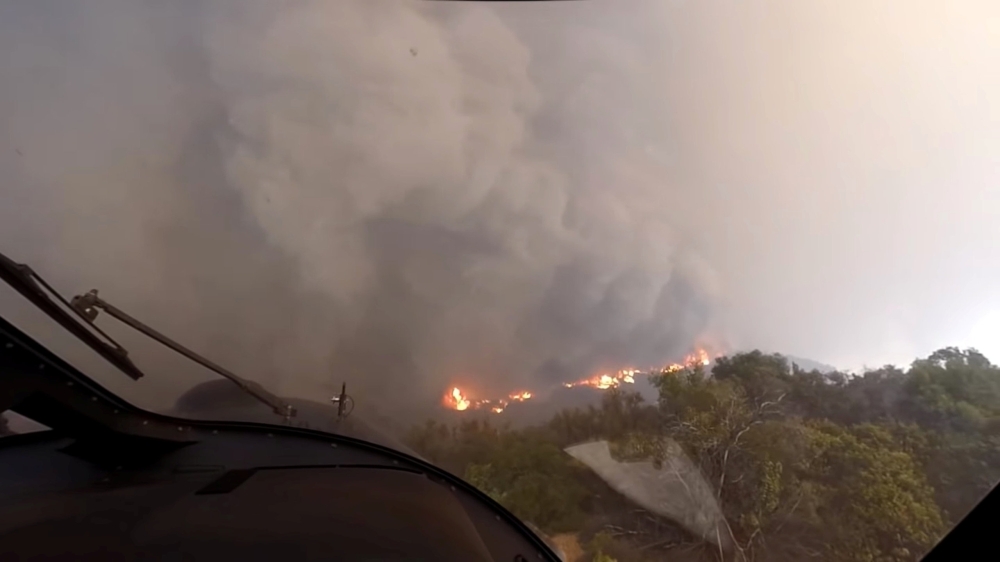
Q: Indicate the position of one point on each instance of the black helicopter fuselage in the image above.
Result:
(109, 481)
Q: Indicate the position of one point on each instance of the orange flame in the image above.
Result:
(698, 357)
(459, 400)
(456, 400)
(606, 381)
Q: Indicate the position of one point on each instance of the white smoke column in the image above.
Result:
(343, 110)
(310, 192)
(376, 140)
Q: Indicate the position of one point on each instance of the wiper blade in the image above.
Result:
(88, 305)
(25, 281)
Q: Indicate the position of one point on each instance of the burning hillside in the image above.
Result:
(456, 399)
(461, 399)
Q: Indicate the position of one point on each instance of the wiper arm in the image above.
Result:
(29, 284)
(25, 281)
(87, 307)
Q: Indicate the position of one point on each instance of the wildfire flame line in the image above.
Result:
(457, 399)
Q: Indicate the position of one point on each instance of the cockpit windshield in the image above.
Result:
(584, 255)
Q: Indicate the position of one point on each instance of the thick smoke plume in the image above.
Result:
(313, 192)
(407, 195)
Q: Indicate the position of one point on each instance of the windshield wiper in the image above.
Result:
(87, 307)
(25, 281)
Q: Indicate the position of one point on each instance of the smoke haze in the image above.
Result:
(409, 195)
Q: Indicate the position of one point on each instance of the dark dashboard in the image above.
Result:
(109, 481)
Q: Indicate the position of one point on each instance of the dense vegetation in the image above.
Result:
(806, 466)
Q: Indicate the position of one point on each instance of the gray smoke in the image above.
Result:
(311, 192)
(406, 195)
